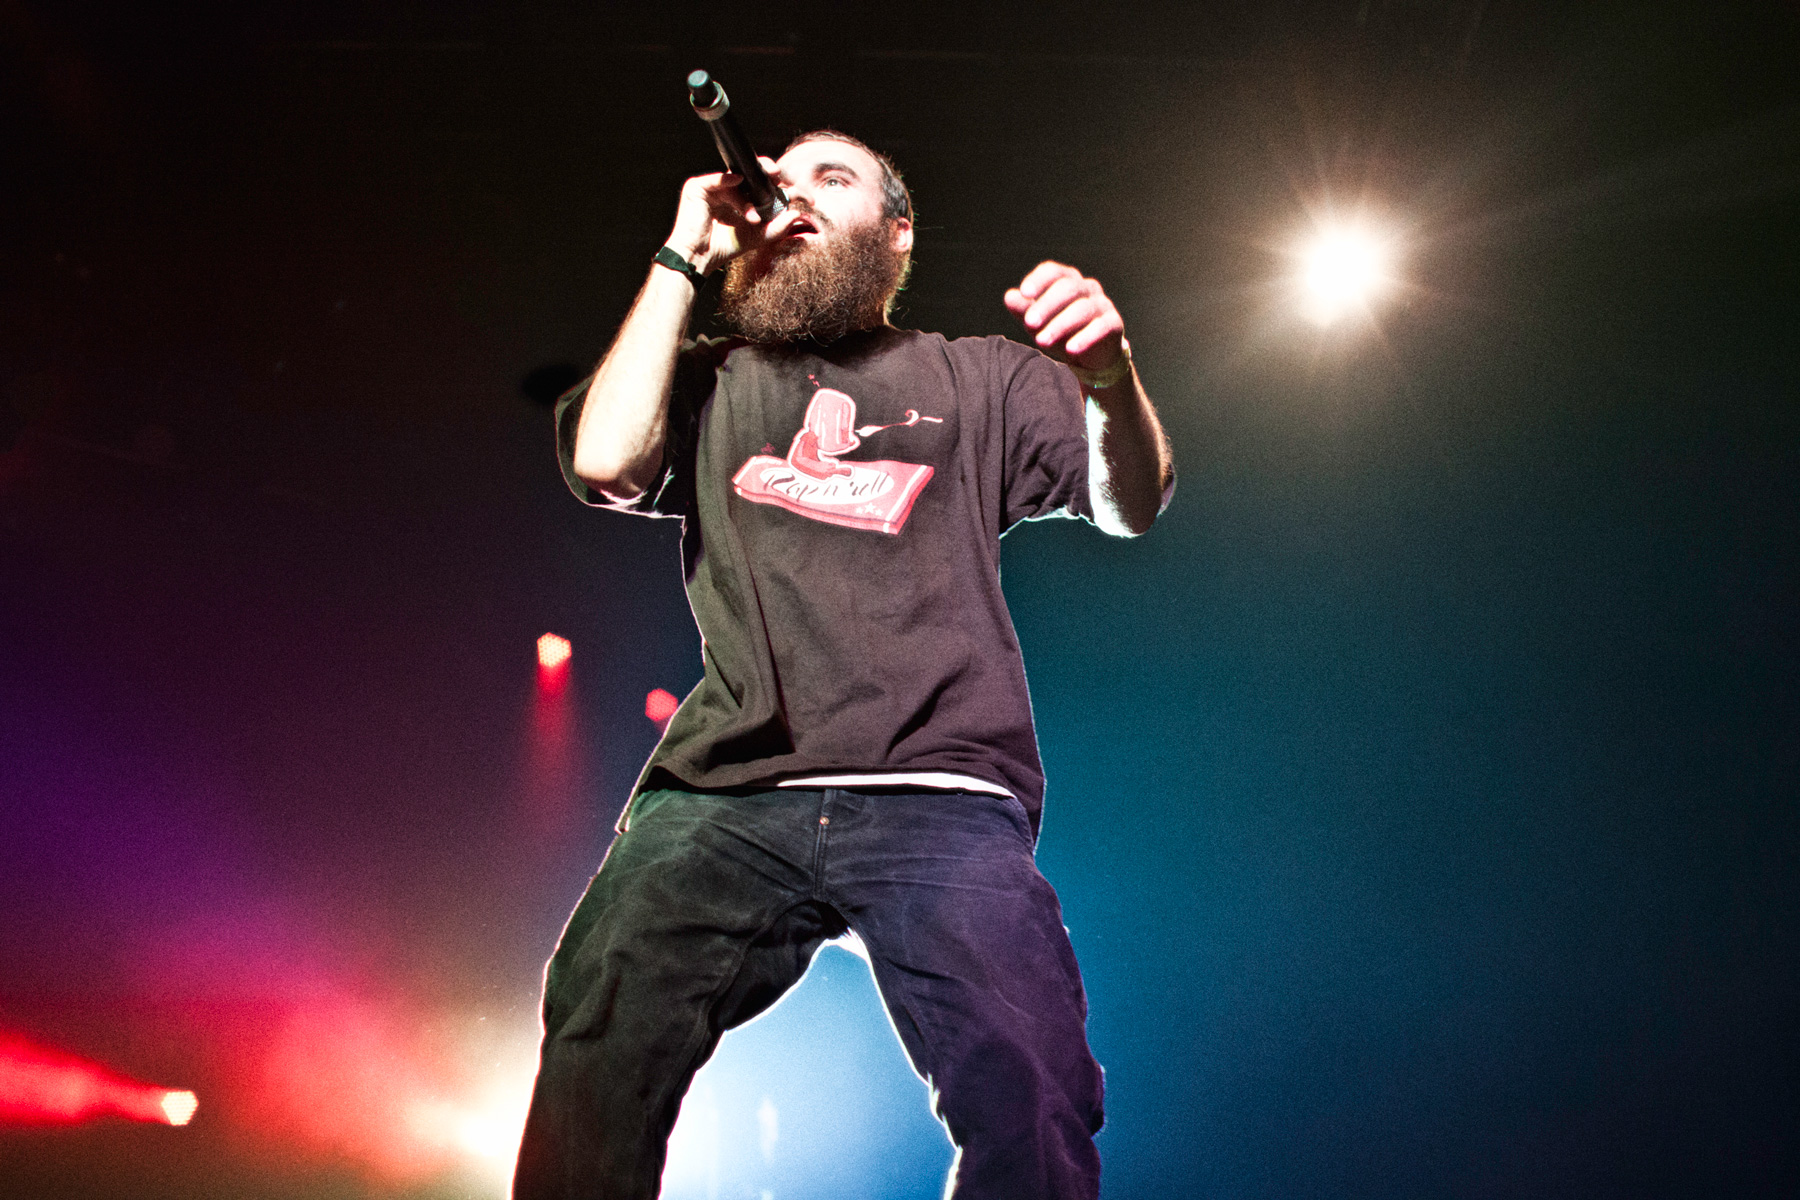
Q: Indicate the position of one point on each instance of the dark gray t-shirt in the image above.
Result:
(842, 508)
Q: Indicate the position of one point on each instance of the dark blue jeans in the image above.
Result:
(710, 907)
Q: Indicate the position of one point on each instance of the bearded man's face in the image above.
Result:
(831, 262)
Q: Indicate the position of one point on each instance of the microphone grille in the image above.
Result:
(706, 95)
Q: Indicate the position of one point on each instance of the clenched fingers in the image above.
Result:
(1068, 313)
(1043, 275)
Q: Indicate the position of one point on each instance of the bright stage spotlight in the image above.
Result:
(179, 1107)
(483, 1128)
(1344, 270)
(553, 651)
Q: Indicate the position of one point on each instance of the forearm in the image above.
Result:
(619, 442)
(1131, 465)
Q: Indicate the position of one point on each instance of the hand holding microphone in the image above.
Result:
(723, 215)
(713, 106)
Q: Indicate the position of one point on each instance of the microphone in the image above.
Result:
(713, 106)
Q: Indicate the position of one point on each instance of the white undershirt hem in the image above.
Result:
(937, 781)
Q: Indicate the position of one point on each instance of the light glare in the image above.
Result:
(484, 1127)
(768, 1124)
(660, 705)
(553, 651)
(1343, 271)
(179, 1107)
(41, 1085)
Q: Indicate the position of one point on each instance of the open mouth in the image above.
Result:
(800, 227)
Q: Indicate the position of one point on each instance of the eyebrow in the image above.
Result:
(824, 168)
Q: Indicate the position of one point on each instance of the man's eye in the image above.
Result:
(837, 180)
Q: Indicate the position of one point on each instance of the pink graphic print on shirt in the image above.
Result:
(814, 482)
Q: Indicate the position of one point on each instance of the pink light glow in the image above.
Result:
(319, 1056)
(659, 705)
(39, 1086)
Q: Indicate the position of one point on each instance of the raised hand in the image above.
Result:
(1069, 316)
(714, 223)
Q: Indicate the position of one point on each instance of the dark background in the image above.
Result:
(1422, 787)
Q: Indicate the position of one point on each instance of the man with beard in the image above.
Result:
(859, 755)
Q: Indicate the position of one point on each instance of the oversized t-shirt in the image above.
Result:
(842, 507)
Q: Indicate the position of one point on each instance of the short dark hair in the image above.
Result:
(896, 201)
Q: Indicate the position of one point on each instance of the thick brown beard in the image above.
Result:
(820, 292)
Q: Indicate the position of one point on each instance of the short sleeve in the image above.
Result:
(671, 493)
(1046, 466)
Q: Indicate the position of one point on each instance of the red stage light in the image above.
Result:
(659, 705)
(41, 1086)
(553, 651)
(179, 1107)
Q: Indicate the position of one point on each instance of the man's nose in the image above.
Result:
(798, 193)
